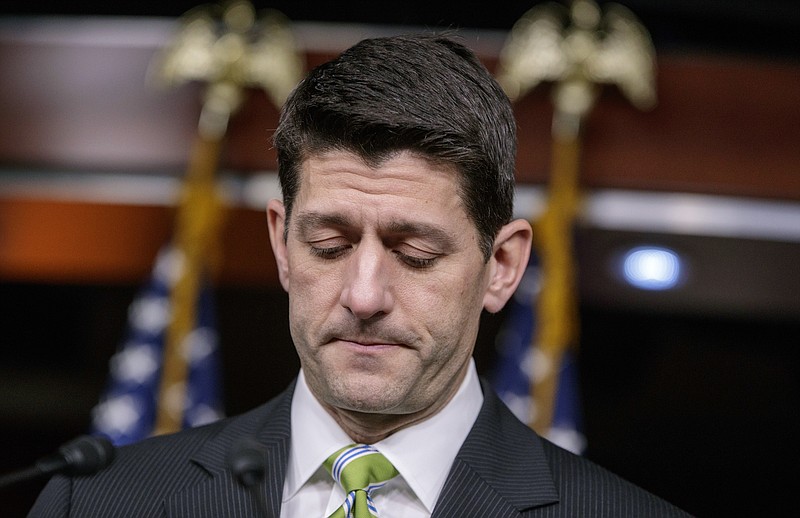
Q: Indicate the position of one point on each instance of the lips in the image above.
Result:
(367, 342)
(374, 336)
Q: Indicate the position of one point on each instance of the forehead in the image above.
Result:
(402, 178)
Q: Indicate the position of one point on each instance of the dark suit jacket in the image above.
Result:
(502, 470)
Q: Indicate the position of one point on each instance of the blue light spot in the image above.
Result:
(652, 268)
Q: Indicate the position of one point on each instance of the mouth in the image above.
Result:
(368, 343)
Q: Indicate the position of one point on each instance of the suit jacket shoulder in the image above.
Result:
(183, 474)
(595, 491)
(505, 470)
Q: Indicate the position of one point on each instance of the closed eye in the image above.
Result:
(328, 252)
(415, 261)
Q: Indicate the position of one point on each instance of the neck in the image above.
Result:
(369, 428)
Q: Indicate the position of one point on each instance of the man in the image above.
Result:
(396, 162)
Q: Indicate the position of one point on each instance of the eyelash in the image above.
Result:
(328, 252)
(334, 252)
(416, 262)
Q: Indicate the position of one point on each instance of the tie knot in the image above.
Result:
(360, 467)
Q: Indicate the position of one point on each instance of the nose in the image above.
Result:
(366, 292)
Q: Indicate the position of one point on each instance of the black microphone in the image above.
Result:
(247, 462)
(82, 456)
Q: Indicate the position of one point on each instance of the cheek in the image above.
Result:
(463, 291)
(310, 279)
(449, 308)
(313, 294)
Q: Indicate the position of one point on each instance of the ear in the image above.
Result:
(276, 220)
(510, 254)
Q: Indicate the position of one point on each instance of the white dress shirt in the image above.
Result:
(422, 453)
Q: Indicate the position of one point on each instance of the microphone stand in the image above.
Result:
(82, 456)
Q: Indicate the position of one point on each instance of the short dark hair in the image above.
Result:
(424, 93)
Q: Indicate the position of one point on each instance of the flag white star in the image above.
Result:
(150, 314)
(198, 344)
(117, 415)
(135, 363)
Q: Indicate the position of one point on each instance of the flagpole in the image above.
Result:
(198, 223)
(227, 63)
(557, 319)
(592, 49)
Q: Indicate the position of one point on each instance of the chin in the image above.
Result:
(369, 395)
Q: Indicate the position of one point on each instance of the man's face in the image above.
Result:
(386, 282)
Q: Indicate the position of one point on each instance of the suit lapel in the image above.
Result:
(220, 494)
(501, 469)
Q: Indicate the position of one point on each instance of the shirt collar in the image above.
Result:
(422, 453)
(317, 432)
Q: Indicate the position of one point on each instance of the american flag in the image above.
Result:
(127, 410)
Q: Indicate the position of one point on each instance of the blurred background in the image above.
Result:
(689, 385)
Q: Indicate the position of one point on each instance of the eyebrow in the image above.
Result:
(436, 234)
(308, 221)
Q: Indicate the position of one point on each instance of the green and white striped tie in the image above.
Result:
(360, 469)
